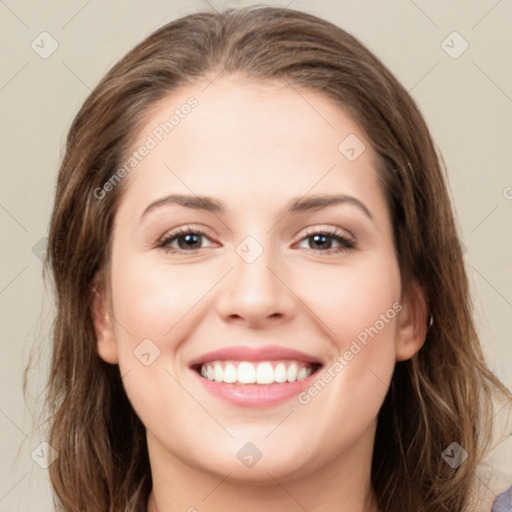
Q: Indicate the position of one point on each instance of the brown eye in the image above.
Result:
(328, 242)
(183, 240)
(189, 241)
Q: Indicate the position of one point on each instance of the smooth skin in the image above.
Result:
(255, 147)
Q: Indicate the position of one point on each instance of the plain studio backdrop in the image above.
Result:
(454, 58)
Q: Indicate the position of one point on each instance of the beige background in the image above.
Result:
(467, 102)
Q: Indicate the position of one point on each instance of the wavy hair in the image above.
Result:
(443, 394)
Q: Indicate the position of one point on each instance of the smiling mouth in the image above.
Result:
(262, 372)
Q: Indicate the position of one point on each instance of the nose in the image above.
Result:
(257, 292)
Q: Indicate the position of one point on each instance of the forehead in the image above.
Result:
(245, 141)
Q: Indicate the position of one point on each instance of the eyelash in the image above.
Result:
(346, 243)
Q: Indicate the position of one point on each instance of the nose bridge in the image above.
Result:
(254, 292)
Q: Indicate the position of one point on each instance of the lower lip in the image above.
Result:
(256, 395)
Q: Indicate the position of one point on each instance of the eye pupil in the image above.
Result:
(321, 240)
(191, 240)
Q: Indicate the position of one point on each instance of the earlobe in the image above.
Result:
(105, 339)
(412, 323)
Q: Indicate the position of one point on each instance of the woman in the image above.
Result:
(261, 296)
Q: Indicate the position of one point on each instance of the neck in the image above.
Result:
(342, 484)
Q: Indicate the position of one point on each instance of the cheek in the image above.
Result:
(152, 300)
(349, 299)
(152, 308)
(359, 308)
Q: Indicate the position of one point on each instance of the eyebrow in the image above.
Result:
(301, 204)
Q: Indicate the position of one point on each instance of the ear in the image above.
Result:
(412, 322)
(103, 326)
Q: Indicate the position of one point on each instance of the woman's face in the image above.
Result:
(254, 225)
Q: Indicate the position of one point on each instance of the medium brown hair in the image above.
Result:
(441, 395)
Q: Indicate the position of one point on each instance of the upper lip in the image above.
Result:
(245, 353)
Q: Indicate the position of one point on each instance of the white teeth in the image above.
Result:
(265, 372)
(280, 373)
(230, 373)
(302, 373)
(246, 373)
(218, 373)
(291, 373)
